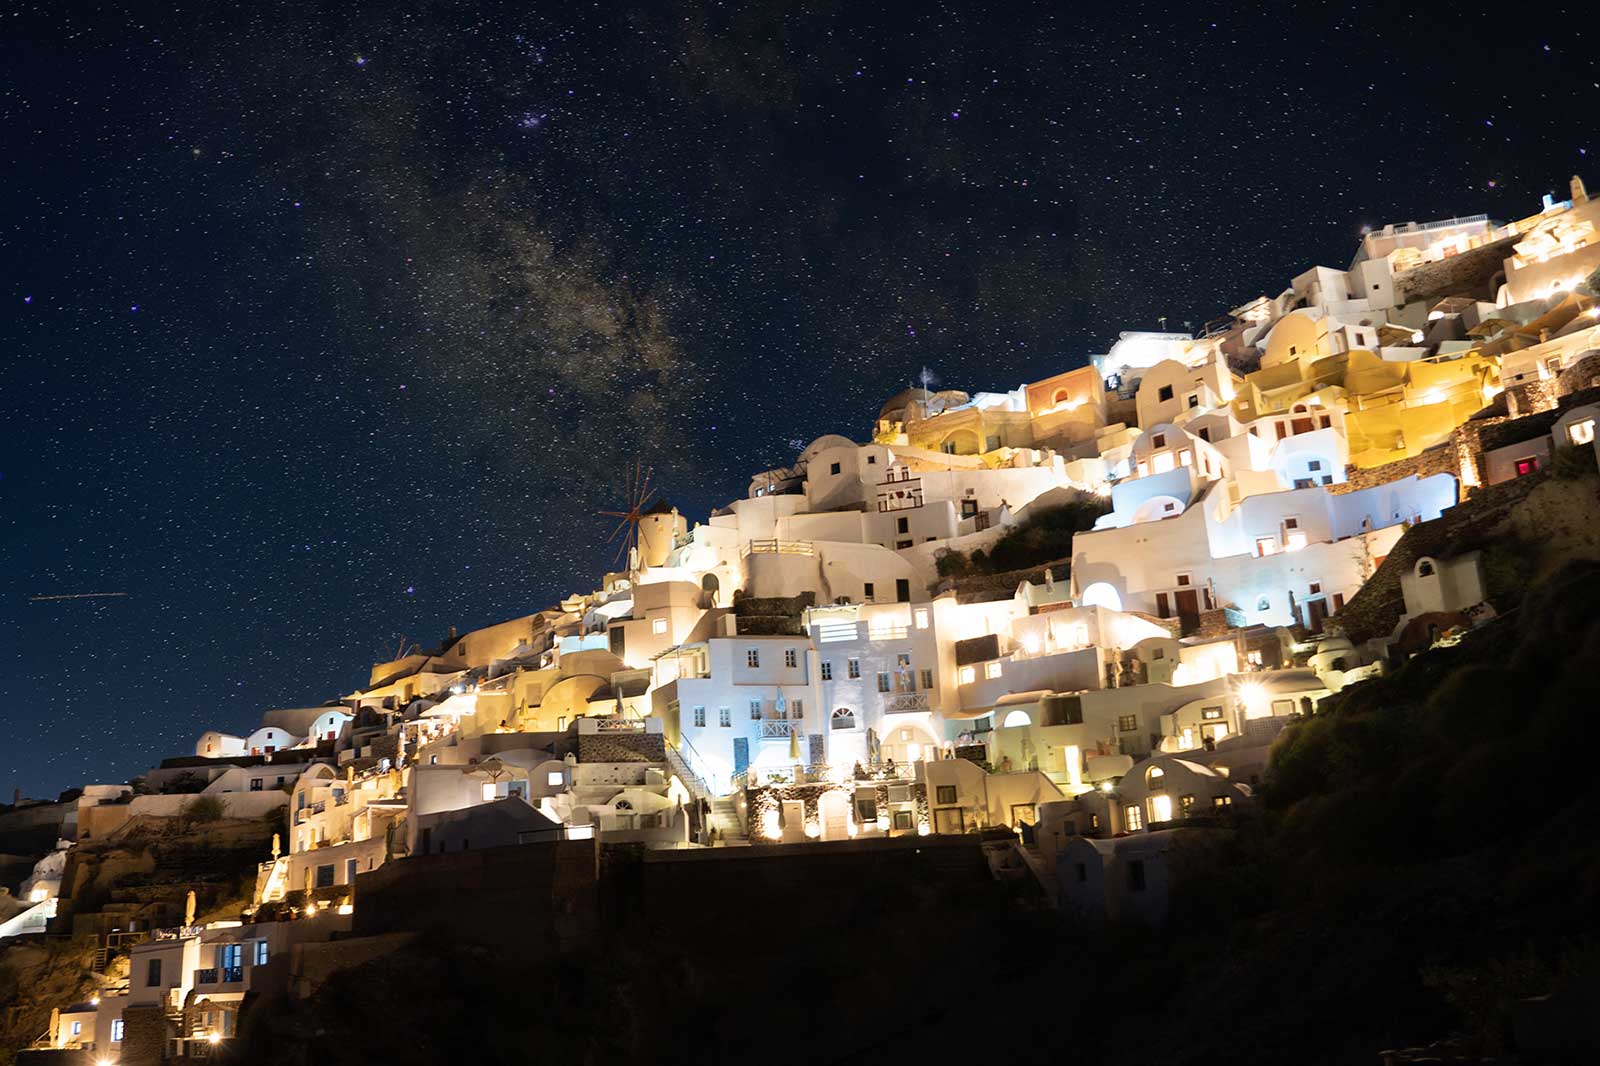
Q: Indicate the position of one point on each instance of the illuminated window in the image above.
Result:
(1133, 816)
(967, 675)
(1581, 432)
(116, 1028)
(1185, 458)
(1155, 779)
(1186, 804)
(1016, 718)
(920, 617)
(488, 795)
(555, 778)
(991, 670)
(1222, 801)
(1161, 808)
(1211, 714)
(658, 626)
(1527, 465)
(1127, 723)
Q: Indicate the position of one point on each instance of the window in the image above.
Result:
(991, 670)
(927, 679)
(116, 1031)
(1133, 817)
(557, 778)
(1127, 723)
(1581, 432)
(834, 469)
(852, 668)
(919, 617)
(1222, 801)
(1315, 587)
(1186, 804)
(152, 973)
(797, 710)
(843, 718)
(1194, 399)
(752, 657)
(755, 710)
(872, 460)
(658, 626)
(724, 717)
(1205, 434)
(1425, 568)
(827, 670)
(902, 819)
(1164, 393)
(325, 875)
(1315, 464)
(902, 590)
(1211, 714)
(967, 675)
(1527, 465)
(1158, 441)
(902, 525)
(901, 545)
(791, 658)
(866, 590)
(1291, 523)
(1155, 779)
(946, 795)
(866, 809)
(1184, 579)
(883, 681)
(700, 716)
(948, 447)
(255, 784)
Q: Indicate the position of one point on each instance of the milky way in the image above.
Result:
(324, 325)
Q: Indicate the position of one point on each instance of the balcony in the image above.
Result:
(780, 728)
(904, 702)
(888, 632)
(780, 547)
(224, 975)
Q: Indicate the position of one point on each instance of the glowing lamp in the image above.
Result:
(1253, 696)
(923, 829)
(213, 1038)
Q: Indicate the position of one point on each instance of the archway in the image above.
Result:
(1101, 594)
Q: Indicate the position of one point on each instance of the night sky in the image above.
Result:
(320, 328)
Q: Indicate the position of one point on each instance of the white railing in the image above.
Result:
(778, 727)
(833, 632)
(780, 547)
(906, 701)
(888, 632)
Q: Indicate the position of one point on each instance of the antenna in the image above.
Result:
(636, 498)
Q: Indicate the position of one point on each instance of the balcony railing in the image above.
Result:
(780, 547)
(905, 701)
(206, 976)
(888, 632)
(779, 727)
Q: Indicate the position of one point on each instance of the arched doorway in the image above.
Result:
(710, 588)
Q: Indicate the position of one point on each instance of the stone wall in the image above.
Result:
(622, 747)
(1581, 375)
(144, 1036)
(1530, 398)
(1467, 274)
(1440, 459)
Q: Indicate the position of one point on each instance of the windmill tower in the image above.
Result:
(632, 546)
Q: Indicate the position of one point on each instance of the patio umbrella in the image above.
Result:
(794, 747)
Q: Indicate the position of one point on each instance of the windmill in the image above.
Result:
(636, 498)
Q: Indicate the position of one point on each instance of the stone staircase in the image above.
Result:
(725, 817)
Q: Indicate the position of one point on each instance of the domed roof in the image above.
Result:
(903, 399)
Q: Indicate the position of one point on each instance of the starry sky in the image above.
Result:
(324, 324)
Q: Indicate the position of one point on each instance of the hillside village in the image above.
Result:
(1051, 633)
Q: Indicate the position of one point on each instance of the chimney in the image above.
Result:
(1579, 194)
